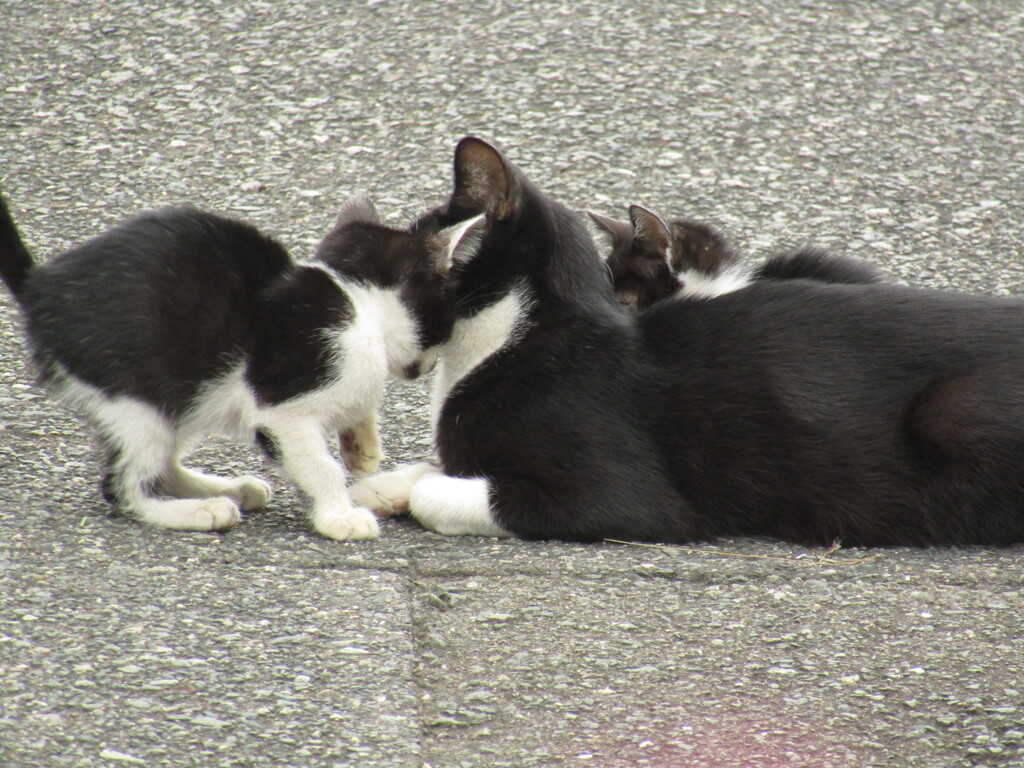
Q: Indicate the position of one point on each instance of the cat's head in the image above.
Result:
(640, 258)
(528, 239)
(700, 248)
(412, 265)
(651, 260)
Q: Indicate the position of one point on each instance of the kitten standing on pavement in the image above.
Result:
(178, 324)
(651, 260)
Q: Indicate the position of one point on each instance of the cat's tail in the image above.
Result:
(15, 260)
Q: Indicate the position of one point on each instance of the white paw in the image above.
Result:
(388, 493)
(361, 464)
(455, 506)
(220, 512)
(361, 449)
(361, 458)
(250, 493)
(385, 496)
(217, 513)
(352, 525)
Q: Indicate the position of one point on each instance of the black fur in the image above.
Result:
(869, 414)
(640, 262)
(700, 247)
(178, 324)
(386, 257)
(288, 354)
(649, 259)
(17, 261)
(269, 445)
(168, 301)
(815, 265)
(875, 415)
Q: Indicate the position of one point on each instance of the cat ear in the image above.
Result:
(459, 243)
(619, 232)
(650, 230)
(358, 209)
(484, 181)
(652, 242)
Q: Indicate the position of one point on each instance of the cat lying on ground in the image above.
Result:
(651, 260)
(178, 324)
(870, 414)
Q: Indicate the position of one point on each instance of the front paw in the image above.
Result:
(387, 494)
(353, 524)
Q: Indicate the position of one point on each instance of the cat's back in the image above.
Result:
(182, 244)
(166, 296)
(880, 322)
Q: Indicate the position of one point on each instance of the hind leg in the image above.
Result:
(181, 482)
(142, 449)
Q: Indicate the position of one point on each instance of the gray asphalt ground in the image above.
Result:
(893, 131)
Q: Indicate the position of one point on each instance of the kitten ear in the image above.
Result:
(358, 209)
(650, 230)
(484, 181)
(619, 232)
(459, 243)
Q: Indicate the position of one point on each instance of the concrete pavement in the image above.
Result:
(892, 131)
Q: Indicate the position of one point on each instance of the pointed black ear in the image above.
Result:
(620, 233)
(484, 181)
(650, 230)
(358, 209)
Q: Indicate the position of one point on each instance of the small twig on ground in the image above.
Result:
(821, 559)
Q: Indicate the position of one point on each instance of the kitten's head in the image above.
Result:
(700, 248)
(640, 258)
(651, 260)
(527, 237)
(413, 265)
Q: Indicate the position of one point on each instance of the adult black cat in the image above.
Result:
(178, 324)
(875, 414)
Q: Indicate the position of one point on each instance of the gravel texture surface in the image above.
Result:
(892, 131)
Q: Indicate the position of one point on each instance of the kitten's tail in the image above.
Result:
(15, 260)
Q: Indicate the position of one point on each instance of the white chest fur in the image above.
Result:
(702, 286)
(476, 338)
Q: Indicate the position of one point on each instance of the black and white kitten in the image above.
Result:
(651, 260)
(874, 414)
(178, 324)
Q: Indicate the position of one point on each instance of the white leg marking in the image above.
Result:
(145, 446)
(248, 492)
(388, 493)
(215, 514)
(454, 506)
(308, 462)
